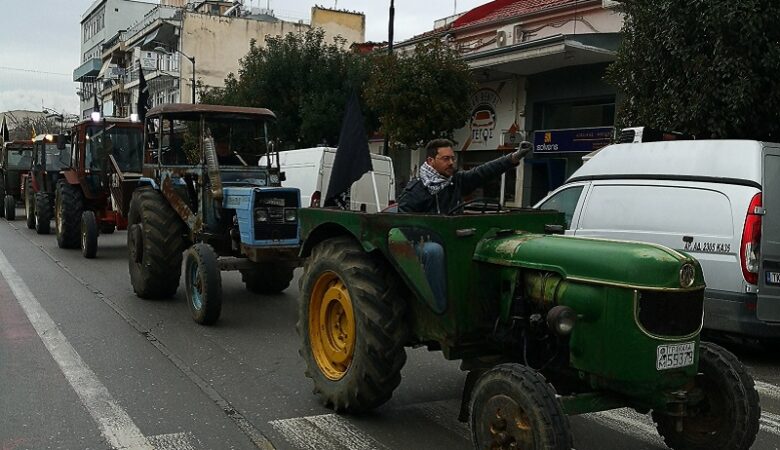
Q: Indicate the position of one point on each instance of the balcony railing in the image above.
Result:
(158, 13)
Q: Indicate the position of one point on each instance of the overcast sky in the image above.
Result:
(40, 40)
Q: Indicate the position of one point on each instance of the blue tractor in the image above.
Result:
(203, 197)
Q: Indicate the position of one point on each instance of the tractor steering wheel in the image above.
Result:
(488, 204)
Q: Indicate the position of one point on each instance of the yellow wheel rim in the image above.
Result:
(331, 326)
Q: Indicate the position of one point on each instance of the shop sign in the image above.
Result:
(583, 140)
(492, 114)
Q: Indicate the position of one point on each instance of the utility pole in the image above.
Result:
(390, 26)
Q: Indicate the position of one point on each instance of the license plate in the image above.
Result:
(773, 278)
(670, 356)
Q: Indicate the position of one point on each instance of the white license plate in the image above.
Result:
(670, 356)
(773, 278)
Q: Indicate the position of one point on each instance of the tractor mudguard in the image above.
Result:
(146, 181)
(71, 177)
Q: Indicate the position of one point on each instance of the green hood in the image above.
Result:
(597, 261)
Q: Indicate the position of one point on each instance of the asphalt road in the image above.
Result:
(85, 364)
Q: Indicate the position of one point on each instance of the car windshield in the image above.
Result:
(19, 159)
(124, 143)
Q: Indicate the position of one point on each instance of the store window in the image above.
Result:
(575, 114)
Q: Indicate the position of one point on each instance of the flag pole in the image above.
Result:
(376, 191)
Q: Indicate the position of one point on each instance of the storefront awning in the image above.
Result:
(542, 55)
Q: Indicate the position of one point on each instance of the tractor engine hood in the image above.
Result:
(598, 261)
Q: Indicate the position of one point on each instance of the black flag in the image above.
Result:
(95, 105)
(143, 95)
(6, 135)
(353, 157)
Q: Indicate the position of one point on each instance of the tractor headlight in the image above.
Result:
(261, 215)
(290, 214)
(561, 320)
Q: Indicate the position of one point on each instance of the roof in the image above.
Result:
(505, 9)
(722, 159)
(189, 110)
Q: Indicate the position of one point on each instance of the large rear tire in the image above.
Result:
(727, 418)
(267, 278)
(2, 193)
(203, 283)
(155, 241)
(352, 326)
(9, 207)
(68, 206)
(29, 204)
(43, 213)
(513, 407)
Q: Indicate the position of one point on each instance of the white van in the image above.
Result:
(308, 169)
(716, 200)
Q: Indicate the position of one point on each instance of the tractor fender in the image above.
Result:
(70, 176)
(146, 181)
(327, 231)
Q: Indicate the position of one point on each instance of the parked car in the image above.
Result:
(308, 169)
(718, 200)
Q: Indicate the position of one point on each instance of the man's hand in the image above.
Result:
(522, 152)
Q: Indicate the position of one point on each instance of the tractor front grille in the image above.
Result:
(274, 203)
(664, 313)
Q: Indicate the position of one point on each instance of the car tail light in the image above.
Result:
(315, 199)
(750, 248)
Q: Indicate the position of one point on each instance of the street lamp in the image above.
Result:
(52, 113)
(162, 49)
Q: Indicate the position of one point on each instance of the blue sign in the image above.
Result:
(583, 140)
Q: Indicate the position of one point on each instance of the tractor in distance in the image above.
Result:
(203, 191)
(51, 153)
(546, 325)
(15, 160)
(93, 195)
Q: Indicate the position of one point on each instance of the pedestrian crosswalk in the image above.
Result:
(336, 432)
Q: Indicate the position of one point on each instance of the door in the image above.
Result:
(768, 308)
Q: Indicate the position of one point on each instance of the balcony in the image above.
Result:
(88, 70)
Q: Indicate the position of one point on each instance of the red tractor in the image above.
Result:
(15, 160)
(50, 154)
(93, 194)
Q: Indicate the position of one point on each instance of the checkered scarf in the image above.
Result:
(432, 179)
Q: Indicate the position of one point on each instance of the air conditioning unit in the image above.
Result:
(501, 38)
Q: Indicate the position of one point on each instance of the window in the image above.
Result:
(564, 201)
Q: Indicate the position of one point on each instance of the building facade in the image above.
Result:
(539, 65)
(206, 38)
(101, 21)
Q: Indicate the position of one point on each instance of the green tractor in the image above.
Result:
(15, 160)
(546, 325)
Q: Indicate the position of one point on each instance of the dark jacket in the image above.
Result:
(417, 199)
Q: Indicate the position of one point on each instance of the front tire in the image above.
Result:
(89, 234)
(513, 407)
(155, 241)
(29, 204)
(68, 206)
(9, 207)
(43, 213)
(727, 418)
(352, 326)
(267, 278)
(203, 282)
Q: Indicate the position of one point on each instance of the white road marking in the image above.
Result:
(327, 431)
(768, 390)
(115, 424)
(770, 423)
(175, 441)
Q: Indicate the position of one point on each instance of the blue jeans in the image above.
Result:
(431, 255)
